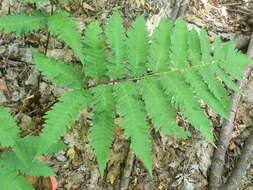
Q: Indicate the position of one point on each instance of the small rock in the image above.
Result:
(14, 63)
(33, 78)
(25, 121)
(58, 91)
(2, 98)
(15, 96)
(2, 50)
(26, 55)
(60, 156)
(13, 49)
(11, 74)
(43, 87)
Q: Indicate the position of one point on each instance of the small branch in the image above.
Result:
(239, 171)
(218, 162)
(48, 34)
(124, 182)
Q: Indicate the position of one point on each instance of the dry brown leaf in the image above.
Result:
(71, 153)
(87, 6)
(39, 182)
(4, 88)
(140, 2)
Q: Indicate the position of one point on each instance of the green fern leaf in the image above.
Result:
(95, 58)
(10, 180)
(179, 40)
(207, 74)
(133, 121)
(195, 80)
(237, 61)
(62, 115)
(137, 44)
(160, 47)
(8, 129)
(219, 56)
(65, 28)
(187, 103)
(63, 74)
(34, 168)
(159, 109)
(21, 23)
(103, 123)
(116, 39)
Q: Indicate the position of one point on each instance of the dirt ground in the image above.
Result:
(178, 164)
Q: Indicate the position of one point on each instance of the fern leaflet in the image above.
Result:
(186, 101)
(137, 47)
(69, 109)
(10, 180)
(160, 47)
(133, 120)
(22, 24)
(116, 39)
(103, 124)
(159, 109)
(64, 27)
(62, 74)
(95, 58)
(8, 129)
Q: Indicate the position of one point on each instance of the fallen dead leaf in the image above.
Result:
(4, 88)
(71, 153)
(140, 2)
(87, 6)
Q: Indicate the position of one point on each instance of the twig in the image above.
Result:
(48, 34)
(179, 9)
(239, 171)
(124, 182)
(218, 161)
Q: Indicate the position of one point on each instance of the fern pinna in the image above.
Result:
(139, 79)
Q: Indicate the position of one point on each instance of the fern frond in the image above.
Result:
(137, 47)
(116, 38)
(8, 129)
(103, 124)
(62, 115)
(65, 28)
(186, 101)
(160, 48)
(10, 180)
(22, 24)
(133, 120)
(95, 58)
(63, 74)
(159, 109)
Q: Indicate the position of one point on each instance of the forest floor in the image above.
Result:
(177, 164)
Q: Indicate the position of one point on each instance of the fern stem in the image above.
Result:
(151, 74)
